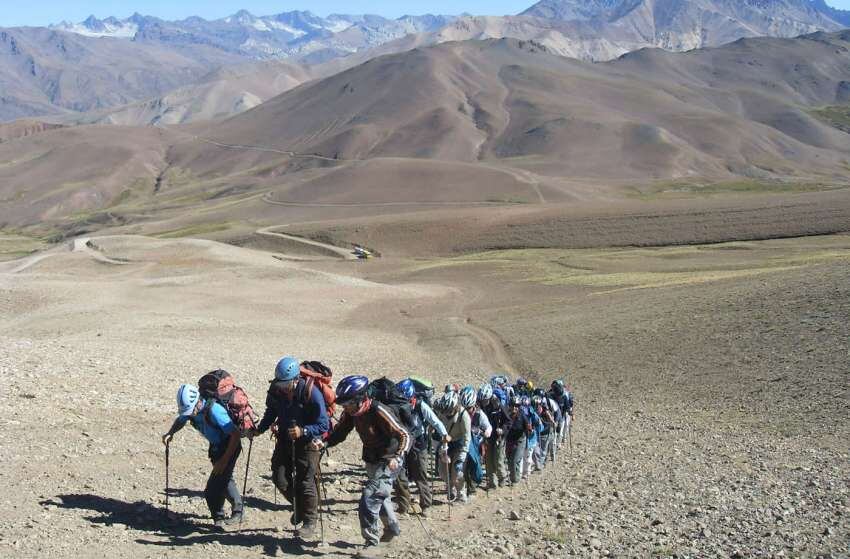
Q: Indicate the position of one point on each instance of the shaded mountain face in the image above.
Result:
(297, 33)
(739, 109)
(686, 24)
(47, 72)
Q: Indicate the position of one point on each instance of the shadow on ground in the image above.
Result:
(182, 529)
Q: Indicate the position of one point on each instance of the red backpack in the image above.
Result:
(316, 374)
(220, 386)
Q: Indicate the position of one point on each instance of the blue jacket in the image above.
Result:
(536, 426)
(310, 414)
(214, 423)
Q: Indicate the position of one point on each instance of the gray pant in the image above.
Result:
(543, 449)
(516, 458)
(496, 462)
(376, 502)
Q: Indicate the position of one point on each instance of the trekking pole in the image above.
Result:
(570, 433)
(245, 482)
(292, 477)
(167, 484)
(319, 486)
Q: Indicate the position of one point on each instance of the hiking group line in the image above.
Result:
(467, 438)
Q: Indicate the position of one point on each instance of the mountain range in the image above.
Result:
(459, 122)
(143, 70)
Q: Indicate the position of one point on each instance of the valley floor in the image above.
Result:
(712, 415)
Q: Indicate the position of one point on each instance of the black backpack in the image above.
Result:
(384, 391)
(424, 392)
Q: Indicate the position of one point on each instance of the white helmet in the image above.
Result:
(467, 397)
(485, 393)
(187, 399)
(448, 402)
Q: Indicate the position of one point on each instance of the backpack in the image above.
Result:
(220, 386)
(319, 375)
(384, 391)
(424, 389)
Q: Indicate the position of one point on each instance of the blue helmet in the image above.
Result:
(351, 388)
(187, 399)
(406, 388)
(287, 368)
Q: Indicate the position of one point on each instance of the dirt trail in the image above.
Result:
(491, 346)
(82, 244)
(342, 252)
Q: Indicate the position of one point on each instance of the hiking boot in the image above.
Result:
(371, 551)
(294, 521)
(219, 524)
(235, 518)
(388, 536)
(307, 530)
(423, 512)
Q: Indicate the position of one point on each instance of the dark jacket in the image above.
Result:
(518, 427)
(498, 417)
(383, 435)
(308, 413)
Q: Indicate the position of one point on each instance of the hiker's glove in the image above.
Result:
(295, 433)
(394, 464)
(317, 444)
(166, 438)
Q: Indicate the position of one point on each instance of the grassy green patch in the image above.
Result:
(555, 536)
(684, 189)
(193, 230)
(837, 116)
(606, 270)
(14, 246)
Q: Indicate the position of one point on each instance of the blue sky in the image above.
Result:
(43, 12)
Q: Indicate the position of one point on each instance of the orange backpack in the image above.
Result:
(319, 375)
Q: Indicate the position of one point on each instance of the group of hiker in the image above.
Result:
(491, 436)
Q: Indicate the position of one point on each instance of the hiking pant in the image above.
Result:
(457, 459)
(415, 470)
(516, 456)
(376, 502)
(223, 487)
(527, 463)
(565, 429)
(496, 461)
(306, 466)
(541, 451)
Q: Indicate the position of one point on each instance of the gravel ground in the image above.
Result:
(712, 418)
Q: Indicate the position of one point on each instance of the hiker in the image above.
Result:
(533, 438)
(522, 387)
(566, 401)
(518, 428)
(503, 383)
(459, 427)
(493, 403)
(212, 420)
(385, 444)
(297, 408)
(473, 472)
(544, 410)
(416, 464)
